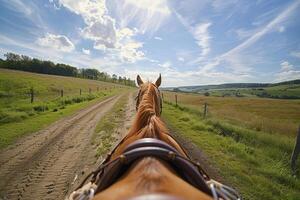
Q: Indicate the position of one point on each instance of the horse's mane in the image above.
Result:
(147, 123)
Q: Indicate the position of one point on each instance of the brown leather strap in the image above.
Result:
(150, 147)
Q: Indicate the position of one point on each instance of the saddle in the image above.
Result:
(110, 171)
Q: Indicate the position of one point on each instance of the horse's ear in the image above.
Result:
(158, 81)
(139, 80)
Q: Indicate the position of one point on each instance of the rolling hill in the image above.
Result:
(281, 90)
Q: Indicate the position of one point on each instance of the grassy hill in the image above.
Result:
(282, 90)
(54, 97)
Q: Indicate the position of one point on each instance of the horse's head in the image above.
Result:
(148, 88)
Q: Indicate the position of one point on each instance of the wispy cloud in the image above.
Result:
(287, 72)
(269, 27)
(202, 37)
(59, 42)
(86, 51)
(233, 56)
(200, 33)
(295, 54)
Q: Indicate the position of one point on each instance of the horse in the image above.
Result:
(149, 163)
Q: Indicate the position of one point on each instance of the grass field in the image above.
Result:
(246, 139)
(260, 114)
(19, 117)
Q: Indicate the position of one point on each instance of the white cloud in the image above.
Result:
(86, 51)
(295, 54)
(166, 65)
(57, 42)
(90, 10)
(181, 59)
(101, 28)
(102, 31)
(158, 38)
(147, 16)
(129, 51)
(287, 72)
(286, 66)
(201, 34)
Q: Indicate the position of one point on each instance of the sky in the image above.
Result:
(190, 42)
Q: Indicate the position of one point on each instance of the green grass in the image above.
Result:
(19, 117)
(104, 136)
(275, 116)
(254, 162)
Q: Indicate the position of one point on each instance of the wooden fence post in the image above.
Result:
(31, 95)
(97, 89)
(176, 99)
(295, 153)
(61, 93)
(90, 90)
(162, 96)
(205, 110)
(80, 92)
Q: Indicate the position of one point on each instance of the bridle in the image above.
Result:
(140, 95)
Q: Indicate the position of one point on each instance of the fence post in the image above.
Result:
(31, 95)
(162, 96)
(205, 110)
(97, 89)
(90, 90)
(80, 92)
(176, 99)
(61, 93)
(296, 152)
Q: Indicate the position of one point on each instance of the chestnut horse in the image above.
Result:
(151, 174)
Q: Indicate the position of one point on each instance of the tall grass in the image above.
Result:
(254, 162)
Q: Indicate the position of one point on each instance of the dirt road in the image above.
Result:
(44, 164)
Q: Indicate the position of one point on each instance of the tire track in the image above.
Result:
(43, 165)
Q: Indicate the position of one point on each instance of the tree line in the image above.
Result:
(26, 63)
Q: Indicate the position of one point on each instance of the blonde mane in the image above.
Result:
(147, 123)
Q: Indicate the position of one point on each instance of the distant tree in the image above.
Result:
(114, 78)
(206, 94)
(25, 63)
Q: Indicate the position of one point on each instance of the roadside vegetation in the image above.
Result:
(54, 97)
(106, 134)
(256, 163)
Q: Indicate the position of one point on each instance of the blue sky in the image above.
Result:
(189, 42)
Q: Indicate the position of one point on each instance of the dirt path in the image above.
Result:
(43, 165)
